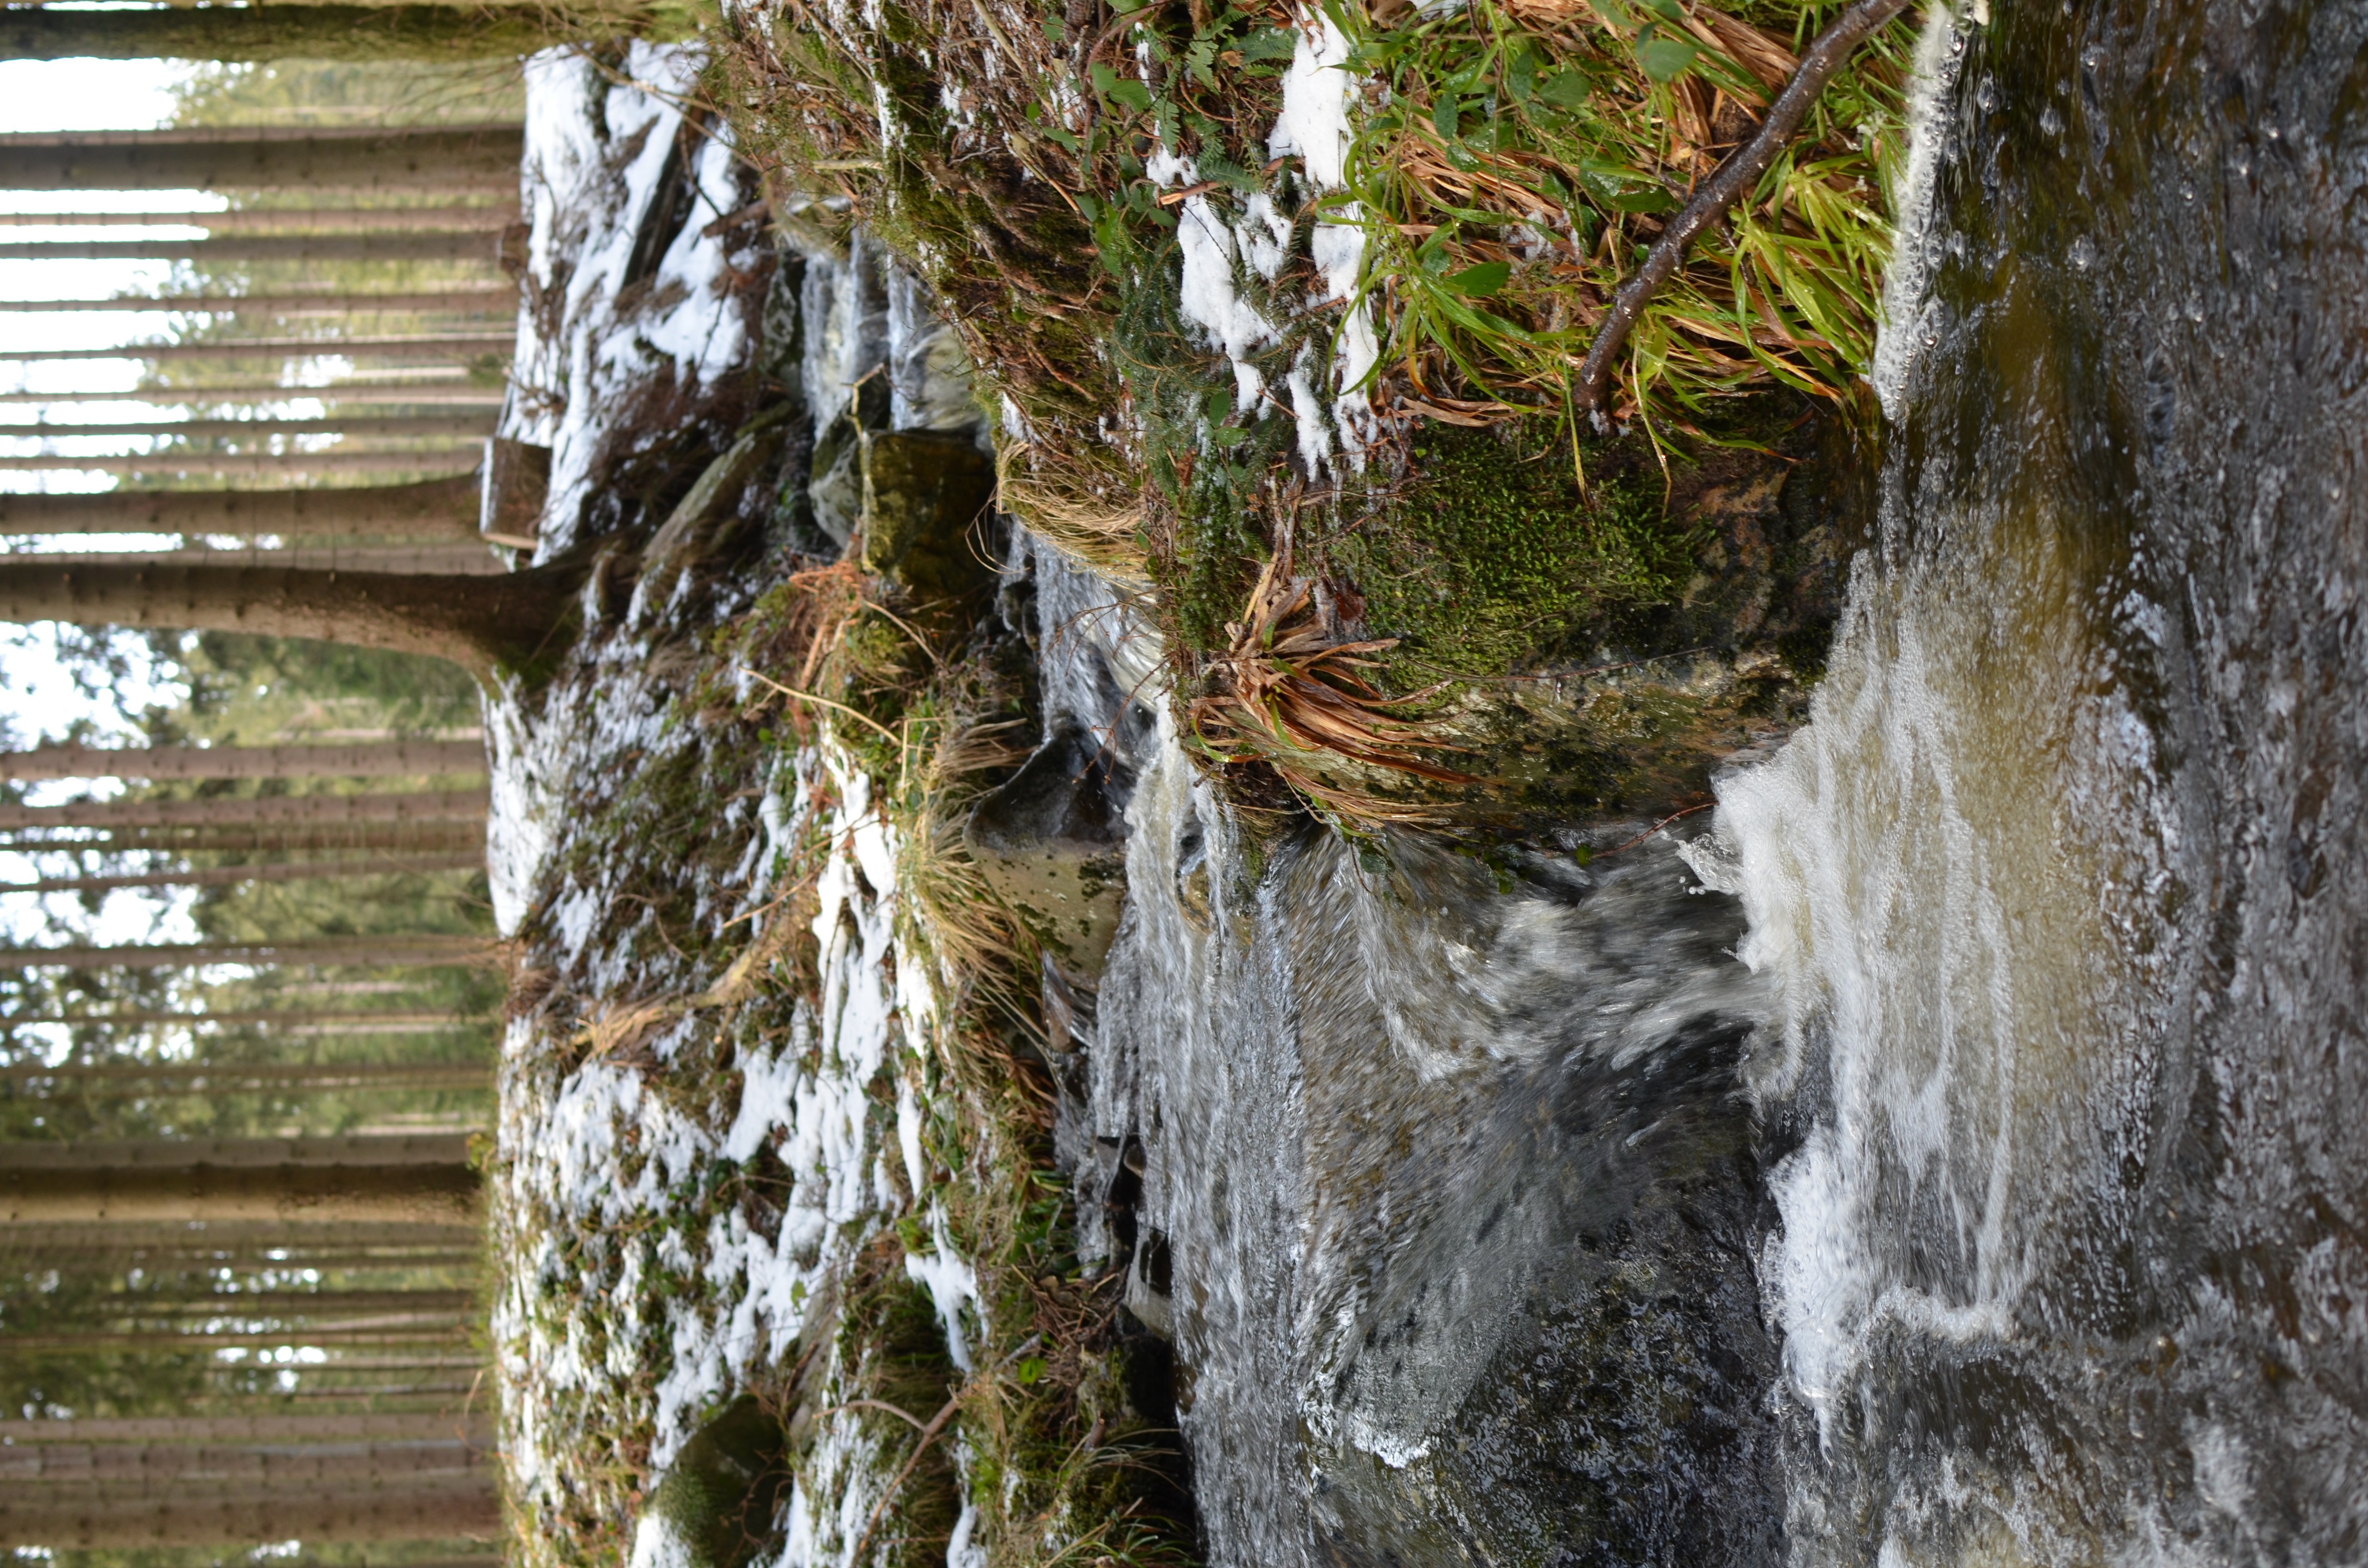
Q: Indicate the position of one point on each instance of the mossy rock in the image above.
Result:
(1607, 648)
(923, 492)
(1052, 843)
(716, 1504)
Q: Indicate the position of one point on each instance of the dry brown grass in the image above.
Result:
(1290, 691)
(1096, 517)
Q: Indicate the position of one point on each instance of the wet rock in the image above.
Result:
(1052, 843)
(834, 493)
(715, 1505)
(703, 521)
(922, 492)
(1148, 1287)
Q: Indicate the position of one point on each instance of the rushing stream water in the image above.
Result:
(2008, 1201)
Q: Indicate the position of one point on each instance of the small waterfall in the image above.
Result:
(2008, 1202)
(2059, 893)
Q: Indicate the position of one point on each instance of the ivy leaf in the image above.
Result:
(1479, 282)
(1666, 58)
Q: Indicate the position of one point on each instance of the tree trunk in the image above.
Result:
(450, 244)
(443, 160)
(230, 1239)
(262, 871)
(249, 1429)
(118, 1469)
(437, 1395)
(389, 759)
(435, 385)
(494, 216)
(435, 507)
(417, 1179)
(463, 424)
(369, 33)
(120, 1081)
(471, 560)
(411, 839)
(171, 463)
(279, 1306)
(150, 1342)
(484, 624)
(252, 810)
(199, 1518)
(454, 346)
(423, 951)
(287, 1021)
(448, 302)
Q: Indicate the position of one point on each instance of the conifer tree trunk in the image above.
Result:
(377, 951)
(357, 1427)
(456, 301)
(134, 1468)
(254, 811)
(492, 216)
(285, 1306)
(126, 1080)
(472, 560)
(173, 463)
(404, 840)
(229, 1238)
(435, 507)
(447, 160)
(207, 429)
(258, 871)
(382, 760)
(198, 1515)
(291, 32)
(290, 1021)
(448, 244)
(415, 348)
(416, 1179)
(483, 624)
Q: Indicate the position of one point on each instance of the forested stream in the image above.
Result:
(1951, 1150)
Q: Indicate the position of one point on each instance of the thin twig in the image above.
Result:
(910, 1420)
(891, 736)
(929, 1434)
(1662, 824)
(1734, 179)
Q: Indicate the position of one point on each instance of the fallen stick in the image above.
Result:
(1727, 185)
(929, 1435)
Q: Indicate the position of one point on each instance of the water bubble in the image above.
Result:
(2093, 57)
(2186, 191)
(2195, 309)
(2083, 252)
(2050, 121)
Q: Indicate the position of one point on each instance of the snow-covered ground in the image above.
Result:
(689, 1158)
